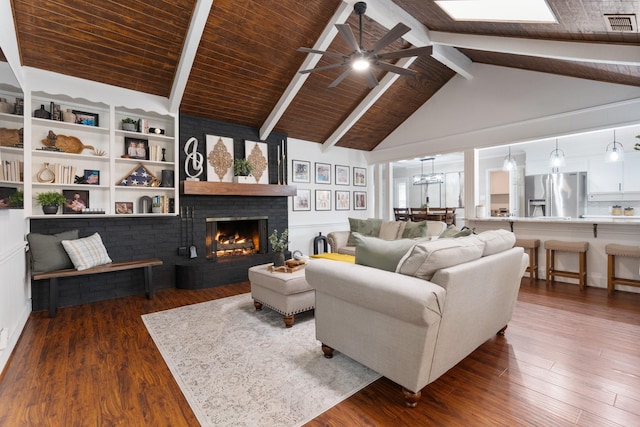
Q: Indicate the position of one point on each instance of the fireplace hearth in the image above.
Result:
(232, 237)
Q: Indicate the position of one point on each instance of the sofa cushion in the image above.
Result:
(496, 241)
(47, 252)
(379, 253)
(86, 252)
(414, 230)
(425, 258)
(366, 227)
(453, 232)
(391, 230)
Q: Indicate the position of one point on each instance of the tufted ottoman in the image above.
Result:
(286, 293)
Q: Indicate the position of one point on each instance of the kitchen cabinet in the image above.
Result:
(618, 181)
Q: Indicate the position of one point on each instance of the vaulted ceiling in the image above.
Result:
(237, 60)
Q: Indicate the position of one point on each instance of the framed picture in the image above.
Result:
(135, 148)
(342, 175)
(87, 119)
(323, 200)
(301, 201)
(359, 200)
(77, 201)
(323, 173)
(124, 208)
(301, 171)
(359, 177)
(5, 194)
(343, 200)
(91, 177)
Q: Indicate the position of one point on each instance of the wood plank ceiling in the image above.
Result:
(247, 56)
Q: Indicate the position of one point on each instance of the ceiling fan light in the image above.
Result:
(360, 64)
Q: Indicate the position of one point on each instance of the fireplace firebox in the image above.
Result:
(232, 237)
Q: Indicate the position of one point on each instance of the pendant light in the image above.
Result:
(556, 159)
(614, 151)
(509, 162)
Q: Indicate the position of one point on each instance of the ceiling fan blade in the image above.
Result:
(404, 53)
(371, 79)
(340, 78)
(324, 67)
(393, 34)
(321, 52)
(395, 69)
(347, 34)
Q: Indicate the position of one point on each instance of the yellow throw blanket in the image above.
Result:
(336, 257)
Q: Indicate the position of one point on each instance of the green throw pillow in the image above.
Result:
(380, 253)
(47, 252)
(415, 230)
(366, 227)
(452, 232)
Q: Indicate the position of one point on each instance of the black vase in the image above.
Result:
(41, 113)
(50, 209)
(278, 259)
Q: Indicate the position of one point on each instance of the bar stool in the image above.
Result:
(580, 248)
(612, 250)
(532, 245)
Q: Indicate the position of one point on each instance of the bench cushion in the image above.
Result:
(47, 252)
(87, 252)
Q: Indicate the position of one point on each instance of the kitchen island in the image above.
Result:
(598, 230)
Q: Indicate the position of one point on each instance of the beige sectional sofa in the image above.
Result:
(444, 300)
(388, 230)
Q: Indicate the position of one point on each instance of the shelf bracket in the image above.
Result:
(595, 231)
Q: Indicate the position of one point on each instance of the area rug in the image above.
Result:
(242, 367)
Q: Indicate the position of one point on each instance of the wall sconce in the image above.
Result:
(509, 162)
(556, 159)
(614, 151)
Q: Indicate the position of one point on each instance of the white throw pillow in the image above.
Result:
(86, 252)
(424, 259)
(496, 241)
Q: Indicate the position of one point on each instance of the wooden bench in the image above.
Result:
(53, 277)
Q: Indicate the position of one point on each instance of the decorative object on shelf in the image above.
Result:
(629, 211)
(156, 208)
(11, 197)
(139, 176)
(144, 204)
(10, 137)
(167, 178)
(123, 208)
(242, 170)
(19, 107)
(16, 200)
(616, 210)
(56, 114)
(68, 116)
(129, 124)
(164, 152)
(99, 153)
(50, 201)
(219, 158)
(87, 119)
(193, 161)
(68, 144)
(157, 131)
(614, 151)
(76, 201)
(45, 174)
(5, 107)
(135, 148)
(258, 157)
(41, 113)
(91, 177)
(279, 245)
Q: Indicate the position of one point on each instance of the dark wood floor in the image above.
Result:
(568, 357)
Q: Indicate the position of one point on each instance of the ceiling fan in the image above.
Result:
(363, 60)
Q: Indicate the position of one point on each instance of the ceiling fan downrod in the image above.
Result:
(360, 8)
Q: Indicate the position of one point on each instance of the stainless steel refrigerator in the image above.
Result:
(556, 194)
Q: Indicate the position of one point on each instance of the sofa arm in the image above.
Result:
(403, 297)
(338, 239)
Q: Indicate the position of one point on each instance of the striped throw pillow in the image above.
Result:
(86, 252)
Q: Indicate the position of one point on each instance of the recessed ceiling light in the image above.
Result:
(533, 11)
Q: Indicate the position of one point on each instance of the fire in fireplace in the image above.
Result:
(236, 236)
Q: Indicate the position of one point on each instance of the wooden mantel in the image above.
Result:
(205, 188)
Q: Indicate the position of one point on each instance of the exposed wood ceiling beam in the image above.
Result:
(323, 42)
(605, 53)
(453, 59)
(196, 28)
(366, 103)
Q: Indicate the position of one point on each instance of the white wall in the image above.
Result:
(502, 105)
(15, 300)
(304, 226)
